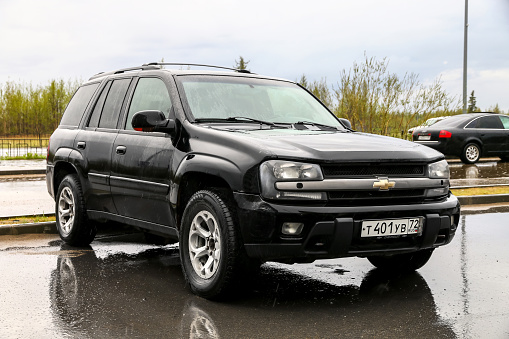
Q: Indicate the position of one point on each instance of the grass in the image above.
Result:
(28, 156)
(481, 190)
(26, 219)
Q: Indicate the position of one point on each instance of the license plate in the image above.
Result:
(391, 227)
(424, 137)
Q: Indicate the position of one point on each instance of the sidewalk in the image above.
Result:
(22, 167)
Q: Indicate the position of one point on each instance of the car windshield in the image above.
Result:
(251, 99)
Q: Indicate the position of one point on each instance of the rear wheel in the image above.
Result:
(209, 246)
(71, 217)
(402, 262)
(471, 153)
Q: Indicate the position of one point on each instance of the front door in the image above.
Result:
(140, 181)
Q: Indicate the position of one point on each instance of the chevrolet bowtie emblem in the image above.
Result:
(384, 184)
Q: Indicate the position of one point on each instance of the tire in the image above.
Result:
(71, 217)
(471, 153)
(405, 262)
(209, 248)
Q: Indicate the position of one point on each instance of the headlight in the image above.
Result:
(439, 170)
(277, 170)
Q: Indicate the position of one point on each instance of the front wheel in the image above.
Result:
(405, 262)
(471, 153)
(71, 217)
(209, 248)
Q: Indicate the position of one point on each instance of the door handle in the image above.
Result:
(81, 145)
(121, 150)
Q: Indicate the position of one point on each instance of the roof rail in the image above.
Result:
(201, 65)
(122, 70)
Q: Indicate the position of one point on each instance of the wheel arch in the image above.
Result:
(66, 161)
(194, 181)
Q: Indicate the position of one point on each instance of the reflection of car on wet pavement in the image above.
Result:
(242, 169)
(468, 136)
(122, 295)
(427, 123)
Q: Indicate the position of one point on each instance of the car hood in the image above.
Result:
(336, 145)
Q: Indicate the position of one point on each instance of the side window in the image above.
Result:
(505, 121)
(78, 104)
(150, 94)
(113, 103)
(490, 122)
(96, 113)
(107, 108)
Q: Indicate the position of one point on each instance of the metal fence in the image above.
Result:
(20, 147)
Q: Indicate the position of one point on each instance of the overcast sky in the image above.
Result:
(68, 39)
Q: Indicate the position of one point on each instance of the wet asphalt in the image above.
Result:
(122, 287)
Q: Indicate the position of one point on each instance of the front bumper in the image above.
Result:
(332, 232)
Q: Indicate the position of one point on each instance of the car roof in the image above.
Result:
(456, 120)
(162, 68)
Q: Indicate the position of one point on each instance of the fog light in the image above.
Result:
(292, 228)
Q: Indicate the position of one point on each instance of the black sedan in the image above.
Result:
(468, 136)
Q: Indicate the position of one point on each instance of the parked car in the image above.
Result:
(468, 136)
(242, 169)
(427, 123)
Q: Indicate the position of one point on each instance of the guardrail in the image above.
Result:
(22, 146)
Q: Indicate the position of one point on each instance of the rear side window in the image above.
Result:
(78, 105)
(486, 122)
(490, 122)
(113, 103)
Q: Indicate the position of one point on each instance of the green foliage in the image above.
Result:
(28, 156)
(377, 101)
(33, 110)
(241, 63)
(472, 101)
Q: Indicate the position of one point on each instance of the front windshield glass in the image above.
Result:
(222, 97)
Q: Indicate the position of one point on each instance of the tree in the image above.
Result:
(472, 101)
(377, 101)
(241, 63)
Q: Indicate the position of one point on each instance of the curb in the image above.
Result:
(483, 199)
(22, 172)
(37, 227)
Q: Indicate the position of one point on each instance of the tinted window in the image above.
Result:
(113, 103)
(490, 122)
(505, 121)
(150, 94)
(486, 122)
(96, 114)
(78, 105)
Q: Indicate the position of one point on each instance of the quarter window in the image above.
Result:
(150, 94)
(78, 105)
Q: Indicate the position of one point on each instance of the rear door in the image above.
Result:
(140, 180)
(95, 143)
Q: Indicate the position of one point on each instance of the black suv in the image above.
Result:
(242, 169)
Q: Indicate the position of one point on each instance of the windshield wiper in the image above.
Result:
(316, 125)
(261, 122)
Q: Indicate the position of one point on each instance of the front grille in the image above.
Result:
(366, 198)
(356, 195)
(363, 170)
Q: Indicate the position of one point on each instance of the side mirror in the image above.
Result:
(346, 123)
(153, 121)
